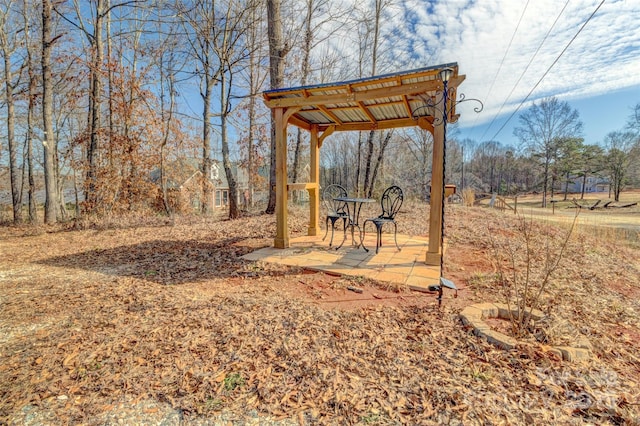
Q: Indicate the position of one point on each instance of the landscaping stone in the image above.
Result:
(489, 310)
(503, 312)
(473, 316)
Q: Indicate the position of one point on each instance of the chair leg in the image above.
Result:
(333, 227)
(379, 237)
(326, 225)
(364, 225)
(345, 234)
(395, 235)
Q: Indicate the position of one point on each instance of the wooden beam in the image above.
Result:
(324, 135)
(354, 107)
(364, 109)
(426, 123)
(308, 91)
(407, 106)
(380, 125)
(289, 114)
(328, 112)
(301, 185)
(300, 123)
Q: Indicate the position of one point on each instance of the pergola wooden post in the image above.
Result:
(282, 215)
(314, 177)
(376, 103)
(434, 253)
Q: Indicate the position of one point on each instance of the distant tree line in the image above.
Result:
(552, 155)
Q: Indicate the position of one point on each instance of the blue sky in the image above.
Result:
(600, 115)
(585, 52)
(505, 47)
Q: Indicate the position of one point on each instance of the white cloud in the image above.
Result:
(605, 56)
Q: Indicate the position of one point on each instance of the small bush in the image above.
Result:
(468, 197)
(525, 261)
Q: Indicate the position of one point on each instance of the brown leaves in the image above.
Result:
(89, 321)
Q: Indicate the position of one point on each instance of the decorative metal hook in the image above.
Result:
(441, 107)
(477, 109)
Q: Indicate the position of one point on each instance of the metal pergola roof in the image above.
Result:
(374, 103)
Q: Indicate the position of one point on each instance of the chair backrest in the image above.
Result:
(391, 202)
(334, 191)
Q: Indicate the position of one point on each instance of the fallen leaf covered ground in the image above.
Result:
(162, 321)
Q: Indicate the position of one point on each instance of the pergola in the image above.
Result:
(403, 99)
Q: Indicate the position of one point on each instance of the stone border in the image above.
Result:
(473, 316)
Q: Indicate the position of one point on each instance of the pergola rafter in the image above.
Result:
(375, 103)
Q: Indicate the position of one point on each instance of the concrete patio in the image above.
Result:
(404, 268)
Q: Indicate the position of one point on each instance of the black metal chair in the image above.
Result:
(336, 210)
(391, 202)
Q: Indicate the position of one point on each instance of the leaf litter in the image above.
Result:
(149, 316)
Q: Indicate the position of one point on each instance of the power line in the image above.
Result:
(549, 69)
(525, 69)
(506, 52)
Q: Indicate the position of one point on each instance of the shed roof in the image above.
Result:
(373, 103)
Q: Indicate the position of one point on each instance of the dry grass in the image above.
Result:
(125, 317)
(468, 197)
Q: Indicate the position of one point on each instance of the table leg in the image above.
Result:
(353, 224)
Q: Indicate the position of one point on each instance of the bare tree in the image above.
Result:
(199, 19)
(8, 45)
(633, 123)
(50, 179)
(542, 126)
(31, 109)
(317, 14)
(278, 49)
(420, 146)
(370, 168)
(618, 158)
(167, 62)
(256, 77)
(94, 33)
(232, 55)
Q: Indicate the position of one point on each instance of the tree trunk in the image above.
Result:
(367, 163)
(358, 164)
(167, 116)
(91, 196)
(545, 183)
(251, 147)
(51, 202)
(207, 200)
(368, 185)
(617, 184)
(14, 173)
(584, 183)
(110, 85)
(306, 69)
(383, 146)
(225, 89)
(33, 83)
(33, 207)
(277, 52)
